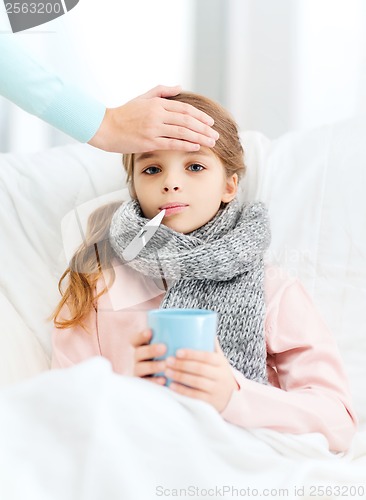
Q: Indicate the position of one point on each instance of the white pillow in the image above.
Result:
(36, 191)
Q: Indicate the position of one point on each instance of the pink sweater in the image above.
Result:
(309, 390)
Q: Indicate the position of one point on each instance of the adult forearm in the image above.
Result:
(39, 92)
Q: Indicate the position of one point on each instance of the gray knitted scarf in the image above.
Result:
(219, 266)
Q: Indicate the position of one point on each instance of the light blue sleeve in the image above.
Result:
(27, 84)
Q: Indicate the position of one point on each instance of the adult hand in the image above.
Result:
(208, 375)
(150, 122)
(144, 365)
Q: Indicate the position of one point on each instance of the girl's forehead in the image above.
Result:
(161, 155)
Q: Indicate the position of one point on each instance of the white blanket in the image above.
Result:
(86, 433)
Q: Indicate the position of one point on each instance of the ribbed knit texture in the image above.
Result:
(219, 266)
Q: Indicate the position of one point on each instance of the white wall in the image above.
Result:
(330, 64)
(295, 64)
(260, 68)
(131, 46)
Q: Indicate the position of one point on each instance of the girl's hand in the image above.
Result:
(144, 365)
(208, 375)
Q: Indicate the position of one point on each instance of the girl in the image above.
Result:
(275, 365)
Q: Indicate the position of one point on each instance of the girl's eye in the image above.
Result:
(196, 167)
(146, 171)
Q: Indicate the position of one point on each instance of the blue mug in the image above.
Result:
(182, 328)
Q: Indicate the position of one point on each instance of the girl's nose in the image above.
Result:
(168, 188)
(171, 183)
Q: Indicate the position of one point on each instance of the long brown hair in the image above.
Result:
(95, 254)
(87, 265)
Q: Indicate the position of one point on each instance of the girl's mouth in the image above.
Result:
(174, 210)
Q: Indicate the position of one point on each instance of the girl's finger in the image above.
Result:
(211, 358)
(217, 345)
(145, 368)
(146, 352)
(141, 338)
(194, 367)
(196, 382)
(191, 393)
(157, 380)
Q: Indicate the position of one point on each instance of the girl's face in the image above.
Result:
(196, 179)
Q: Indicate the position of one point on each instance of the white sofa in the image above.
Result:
(312, 181)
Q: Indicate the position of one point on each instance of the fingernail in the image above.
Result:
(216, 135)
(170, 361)
(160, 349)
(180, 353)
(211, 142)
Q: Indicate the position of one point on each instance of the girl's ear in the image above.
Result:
(231, 188)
